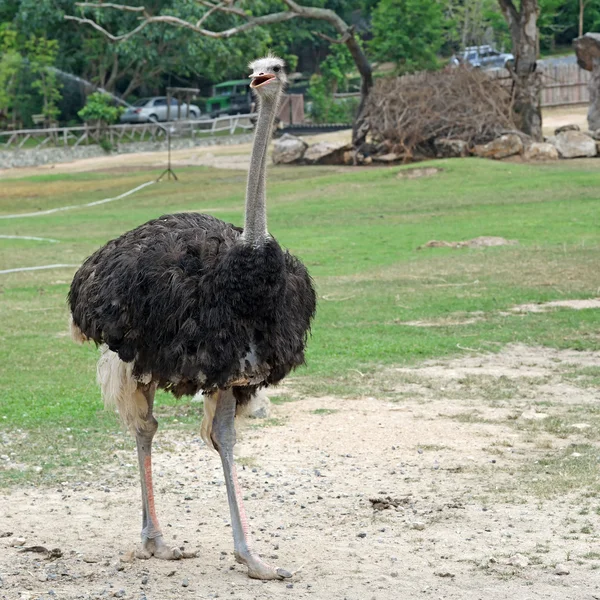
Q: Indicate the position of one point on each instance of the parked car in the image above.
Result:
(230, 98)
(483, 57)
(155, 109)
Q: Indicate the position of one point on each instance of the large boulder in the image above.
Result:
(288, 149)
(326, 153)
(450, 148)
(574, 144)
(506, 145)
(587, 48)
(540, 151)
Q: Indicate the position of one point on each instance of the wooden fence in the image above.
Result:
(562, 85)
(139, 132)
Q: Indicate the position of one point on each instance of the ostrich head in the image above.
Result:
(268, 76)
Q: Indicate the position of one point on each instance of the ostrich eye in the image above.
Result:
(276, 69)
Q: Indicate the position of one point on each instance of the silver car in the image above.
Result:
(155, 109)
(483, 57)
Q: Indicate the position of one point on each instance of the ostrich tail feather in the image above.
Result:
(120, 389)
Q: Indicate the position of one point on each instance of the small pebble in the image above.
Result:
(185, 583)
(18, 541)
(561, 570)
(144, 579)
(361, 535)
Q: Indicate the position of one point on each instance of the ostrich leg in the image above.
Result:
(223, 436)
(153, 543)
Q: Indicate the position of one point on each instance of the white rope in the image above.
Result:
(28, 237)
(57, 266)
(61, 208)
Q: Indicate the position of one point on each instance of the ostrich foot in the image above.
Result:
(258, 569)
(156, 547)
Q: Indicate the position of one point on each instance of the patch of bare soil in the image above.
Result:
(418, 172)
(483, 241)
(558, 116)
(573, 304)
(435, 495)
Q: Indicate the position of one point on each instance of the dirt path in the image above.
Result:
(233, 156)
(465, 455)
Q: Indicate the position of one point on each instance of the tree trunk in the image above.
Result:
(360, 127)
(527, 84)
(581, 10)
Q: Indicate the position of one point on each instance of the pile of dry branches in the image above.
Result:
(406, 114)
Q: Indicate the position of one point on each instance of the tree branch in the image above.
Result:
(331, 40)
(110, 36)
(294, 11)
(123, 7)
(510, 10)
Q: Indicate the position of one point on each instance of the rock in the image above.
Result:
(288, 149)
(18, 542)
(595, 134)
(587, 48)
(361, 535)
(450, 148)
(541, 151)
(581, 426)
(506, 145)
(390, 157)
(574, 144)
(185, 583)
(326, 153)
(561, 570)
(518, 560)
(570, 127)
(418, 525)
(128, 557)
(531, 415)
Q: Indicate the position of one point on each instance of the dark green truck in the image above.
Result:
(230, 98)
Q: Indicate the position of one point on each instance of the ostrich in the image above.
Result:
(189, 303)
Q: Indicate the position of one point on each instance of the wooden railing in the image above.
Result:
(126, 133)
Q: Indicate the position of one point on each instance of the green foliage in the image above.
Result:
(409, 33)
(42, 53)
(99, 107)
(474, 23)
(559, 21)
(334, 77)
(10, 65)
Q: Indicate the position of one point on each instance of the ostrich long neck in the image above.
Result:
(255, 223)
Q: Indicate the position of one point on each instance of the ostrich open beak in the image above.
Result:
(258, 80)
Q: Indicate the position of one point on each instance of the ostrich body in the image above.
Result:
(187, 302)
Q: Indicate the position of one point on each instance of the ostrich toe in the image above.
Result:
(258, 569)
(156, 547)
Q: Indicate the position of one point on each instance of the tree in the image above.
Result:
(42, 56)
(10, 65)
(242, 18)
(408, 32)
(522, 23)
(333, 78)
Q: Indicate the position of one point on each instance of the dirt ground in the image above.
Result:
(467, 510)
(233, 156)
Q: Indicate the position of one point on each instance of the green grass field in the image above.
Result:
(357, 231)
